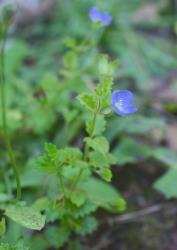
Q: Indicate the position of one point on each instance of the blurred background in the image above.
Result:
(44, 74)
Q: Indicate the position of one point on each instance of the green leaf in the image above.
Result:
(70, 156)
(100, 125)
(56, 236)
(48, 162)
(26, 216)
(99, 160)
(71, 60)
(136, 124)
(20, 245)
(89, 101)
(2, 227)
(54, 158)
(105, 174)
(87, 208)
(5, 246)
(99, 144)
(165, 155)
(78, 197)
(129, 151)
(167, 184)
(102, 194)
(87, 226)
(70, 173)
(15, 55)
(41, 204)
(4, 197)
(105, 67)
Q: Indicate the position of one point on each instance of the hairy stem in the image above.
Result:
(4, 115)
(86, 151)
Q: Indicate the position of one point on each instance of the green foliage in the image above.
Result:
(99, 144)
(19, 245)
(98, 159)
(26, 216)
(2, 227)
(100, 125)
(131, 151)
(15, 56)
(57, 236)
(88, 100)
(167, 184)
(136, 125)
(105, 68)
(88, 225)
(54, 158)
(102, 194)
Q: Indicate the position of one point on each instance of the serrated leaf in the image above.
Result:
(54, 158)
(87, 208)
(89, 101)
(56, 236)
(48, 162)
(26, 216)
(105, 174)
(99, 144)
(77, 197)
(70, 173)
(99, 160)
(105, 67)
(87, 226)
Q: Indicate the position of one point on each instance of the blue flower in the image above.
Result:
(103, 17)
(95, 14)
(122, 102)
(106, 19)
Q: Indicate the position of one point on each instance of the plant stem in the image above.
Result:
(62, 185)
(86, 151)
(4, 115)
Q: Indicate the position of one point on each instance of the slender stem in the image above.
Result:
(4, 116)
(86, 151)
(62, 185)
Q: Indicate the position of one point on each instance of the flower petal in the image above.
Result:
(95, 14)
(122, 102)
(106, 19)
